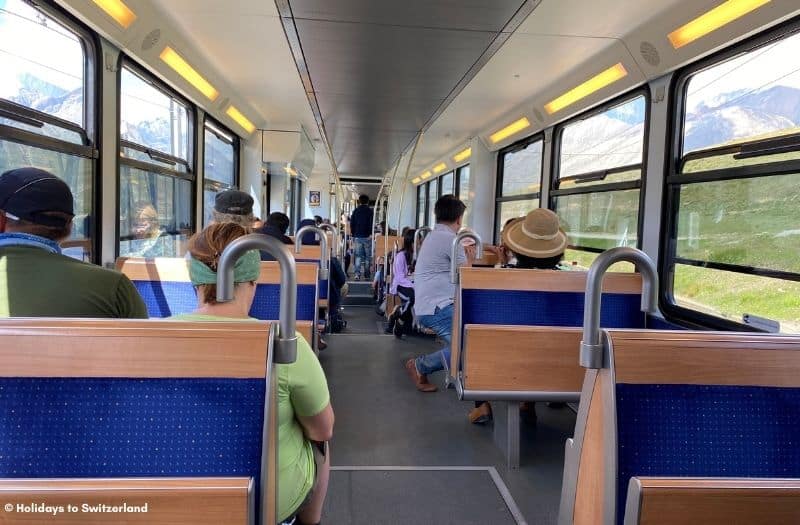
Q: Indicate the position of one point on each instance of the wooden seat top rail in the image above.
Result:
(545, 280)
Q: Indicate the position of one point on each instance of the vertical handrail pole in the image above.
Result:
(463, 234)
(591, 355)
(286, 344)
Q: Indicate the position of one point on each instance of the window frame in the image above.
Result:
(640, 184)
(498, 195)
(213, 184)
(674, 180)
(125, 61)
(90, 133)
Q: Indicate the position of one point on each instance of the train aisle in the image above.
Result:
(401, 456)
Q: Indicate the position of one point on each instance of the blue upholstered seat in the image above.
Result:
(706, 431)
(167, 298)
(540, 308)
(117, 427)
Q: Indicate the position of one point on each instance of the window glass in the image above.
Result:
(421, 205)
(512, 209)
(604, 141)
(446, 181)
(600, 220)
(42, 63)
(219, 154)
(750, 97)
(152, 118)
(155, 215)
(464, 190)
(732, 295)
(747, 222)
(433, 188)
(522, 170)
(75, 171)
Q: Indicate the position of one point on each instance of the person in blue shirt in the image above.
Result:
(361, 232)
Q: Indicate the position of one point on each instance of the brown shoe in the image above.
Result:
(419, 380)
(480, 415)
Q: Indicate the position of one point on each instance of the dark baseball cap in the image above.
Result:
(233, 202)
(29, 193)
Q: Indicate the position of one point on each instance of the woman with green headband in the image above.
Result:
(305, 416)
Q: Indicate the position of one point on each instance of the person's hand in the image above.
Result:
(470, 252)
(500, 252)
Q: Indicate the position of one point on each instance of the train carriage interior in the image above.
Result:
(521, 261)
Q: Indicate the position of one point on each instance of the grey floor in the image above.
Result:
(382, 421)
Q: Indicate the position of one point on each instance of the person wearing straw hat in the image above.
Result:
(535, 242)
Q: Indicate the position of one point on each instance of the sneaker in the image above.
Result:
(399, 328)
(420, 380)
(481, 415)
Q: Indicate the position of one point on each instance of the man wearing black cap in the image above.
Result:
(233, 206)
(36, 280)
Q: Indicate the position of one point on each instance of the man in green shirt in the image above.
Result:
(36, 280)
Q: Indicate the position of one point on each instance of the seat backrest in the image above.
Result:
(165, 286)
(312, 253)
(132, 398)
(685, 404)
(385, 244)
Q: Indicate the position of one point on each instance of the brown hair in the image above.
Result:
(207, 246)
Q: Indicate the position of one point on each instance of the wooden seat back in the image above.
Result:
(92, 399)
(386, 244)
(175, 501)
(712, 501)
(167, 290)
(681, 404)
(312, 253)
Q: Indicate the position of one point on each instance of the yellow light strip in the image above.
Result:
(416, 180)
(182, 67)
(597, 82)
(514, 127)
(439, 168)
(463, 155)
(712, 20)
(117, 10)
(425, 175)
(290, 170)
(240, 119)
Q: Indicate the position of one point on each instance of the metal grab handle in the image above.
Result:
(325, 258)
(463, 234)
(419, 237)
(286, 344)
(335, 231)
(591, 348)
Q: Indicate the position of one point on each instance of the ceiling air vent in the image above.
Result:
(151, 39)
(650, 53)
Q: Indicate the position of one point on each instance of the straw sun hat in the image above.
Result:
(537, 235)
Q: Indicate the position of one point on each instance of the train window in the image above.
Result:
(220, 164)
(447, 184)
(519, 179)
(46, 106)
(156, 168)
(422, 199)
(433, 196)
(734, 190)
(596, 190)
(462, 190)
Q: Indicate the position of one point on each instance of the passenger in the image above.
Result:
(433, 290)
(257, 223)
(36, 280)
(305, 416)
(318, 220)
(361, 232)
(277, 225)
(233, 206)
(534, 242)
(403, 286)
(148, 237)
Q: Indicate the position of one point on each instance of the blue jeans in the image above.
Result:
(441, 322)
(363, 252)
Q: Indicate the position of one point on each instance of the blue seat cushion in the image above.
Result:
(539, 308)
(706, 430)
(323, 283)
(167, 298)
(109, 427)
